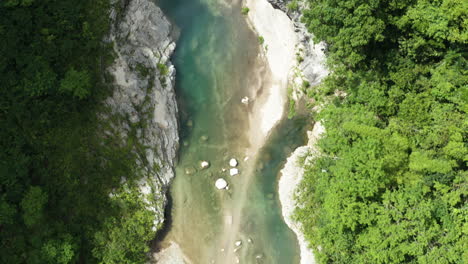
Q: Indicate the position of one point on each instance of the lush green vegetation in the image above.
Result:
(245, 10)
(57, 168)
(391, 185)
(261, 40)
(293, 5)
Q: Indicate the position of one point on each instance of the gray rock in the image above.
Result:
(144, 92)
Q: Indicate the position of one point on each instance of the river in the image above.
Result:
(218, 63)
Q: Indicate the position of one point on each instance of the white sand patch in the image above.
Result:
(272, 110)
(280, 40)
(291, 176)
(278, 32)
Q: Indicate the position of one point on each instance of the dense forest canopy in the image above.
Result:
(391, 185)
(56, 168)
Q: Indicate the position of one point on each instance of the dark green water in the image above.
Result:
(217, 64)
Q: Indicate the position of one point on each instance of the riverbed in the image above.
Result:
(219, 62)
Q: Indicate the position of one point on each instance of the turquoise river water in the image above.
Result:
(218, 63)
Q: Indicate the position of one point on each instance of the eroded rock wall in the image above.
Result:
(144, 100)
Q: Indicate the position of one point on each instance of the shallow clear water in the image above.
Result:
(217, 64)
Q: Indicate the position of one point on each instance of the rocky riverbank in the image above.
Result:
(143, 106)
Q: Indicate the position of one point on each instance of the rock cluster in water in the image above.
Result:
(143, 97)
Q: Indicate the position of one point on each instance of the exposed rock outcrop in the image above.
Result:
(143, 98)
(310, 66)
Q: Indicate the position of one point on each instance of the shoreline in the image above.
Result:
(291, 176)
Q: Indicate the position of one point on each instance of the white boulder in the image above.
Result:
(221, 184)
(204, 164)
(233, 171)
(233, 162)
(245, 100)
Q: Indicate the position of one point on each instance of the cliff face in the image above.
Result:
(144, 97)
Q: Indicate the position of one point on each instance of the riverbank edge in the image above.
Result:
(306, 69)
(291, 177)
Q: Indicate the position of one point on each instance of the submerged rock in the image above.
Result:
(190, 170)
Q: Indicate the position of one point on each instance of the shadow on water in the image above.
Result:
(162, 233)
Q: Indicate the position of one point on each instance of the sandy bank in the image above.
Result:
(291, 176)
(279, 42)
